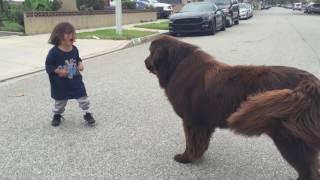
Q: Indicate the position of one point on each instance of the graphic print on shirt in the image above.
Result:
(71, 67)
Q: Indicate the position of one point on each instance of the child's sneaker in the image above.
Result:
(56, 120)
(88, 117)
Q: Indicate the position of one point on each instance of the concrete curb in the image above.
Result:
(12, 33)
(138, 41)
(132, 43)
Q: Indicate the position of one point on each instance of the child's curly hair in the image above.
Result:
(59, 31)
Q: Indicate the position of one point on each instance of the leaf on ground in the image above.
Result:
(17, 95)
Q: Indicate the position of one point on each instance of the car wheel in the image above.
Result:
(173, 34)
(213, 27)
(228, 22)
(237, 21)
(223, 28)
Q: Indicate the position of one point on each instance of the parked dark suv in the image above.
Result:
(312, 8)
(230, 9)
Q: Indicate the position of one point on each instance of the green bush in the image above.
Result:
(41, 5)
(11, 26)
(37, 5)
(127, 4)
(91, 4)
(15, 13)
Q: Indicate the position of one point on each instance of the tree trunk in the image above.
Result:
(1, 5)
(108, 3)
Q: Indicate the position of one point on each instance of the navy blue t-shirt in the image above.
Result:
(63, 88)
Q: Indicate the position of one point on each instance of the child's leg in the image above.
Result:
(59, 106)
(84, 104)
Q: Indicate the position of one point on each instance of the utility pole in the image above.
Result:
(118, 17)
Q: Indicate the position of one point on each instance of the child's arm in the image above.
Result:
(50, 63)
(62, 72)
(51, 67)
(79, 60)
(80, 66)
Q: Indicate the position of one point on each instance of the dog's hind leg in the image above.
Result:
(197, 142)
(301, 156)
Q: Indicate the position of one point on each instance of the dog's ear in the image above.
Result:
(160, 57)
(167, 54)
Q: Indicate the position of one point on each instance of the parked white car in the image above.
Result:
(244, 11)
(297, 6)
(250, 10)
(163, 9)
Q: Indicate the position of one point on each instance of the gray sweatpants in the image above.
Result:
(59, 105)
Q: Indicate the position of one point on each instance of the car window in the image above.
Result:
(198, 7)
(241, 5)
(222, 2)
(316, 5)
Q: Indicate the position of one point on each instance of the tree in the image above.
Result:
(1, 23)
(55, 5)
(1, 5)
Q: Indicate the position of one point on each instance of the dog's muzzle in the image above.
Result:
(149, 66)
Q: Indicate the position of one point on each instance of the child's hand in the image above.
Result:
(80, 67)
(61, 72)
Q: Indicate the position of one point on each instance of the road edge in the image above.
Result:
(131, 43)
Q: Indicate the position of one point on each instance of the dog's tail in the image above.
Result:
(295, 111)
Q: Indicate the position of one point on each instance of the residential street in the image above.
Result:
(137, 133)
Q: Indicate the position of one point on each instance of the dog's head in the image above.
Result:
(166, 53)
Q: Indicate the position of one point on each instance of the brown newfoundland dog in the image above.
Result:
(282, 102)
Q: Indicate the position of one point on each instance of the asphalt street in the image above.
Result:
(137, 133)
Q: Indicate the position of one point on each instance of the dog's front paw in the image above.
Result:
(181, 158)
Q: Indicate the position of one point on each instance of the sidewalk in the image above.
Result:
(21, 55)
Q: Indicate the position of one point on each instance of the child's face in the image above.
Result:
(68, 39)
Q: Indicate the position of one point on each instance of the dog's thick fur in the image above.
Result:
(282, 102)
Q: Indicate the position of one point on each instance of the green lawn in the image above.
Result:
(161, 25)
(111, 34)
(11, 26)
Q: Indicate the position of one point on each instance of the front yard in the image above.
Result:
(111, 34)
(159, 25)
(9, 25)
